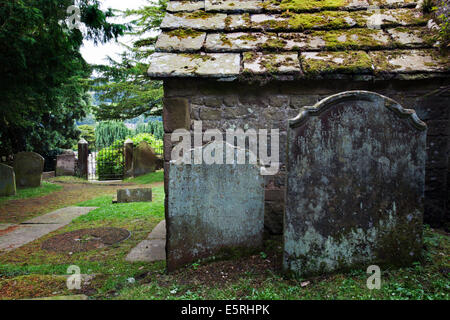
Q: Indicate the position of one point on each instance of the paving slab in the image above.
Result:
(159, 232)
(40, 226)
(4, 226)
(151, 249)
(61, 216)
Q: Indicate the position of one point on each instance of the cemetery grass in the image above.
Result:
(44, 189)
(61, 192)
(259, 277)
(30, 272)
(31, 267)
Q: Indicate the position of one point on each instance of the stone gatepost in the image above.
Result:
(83, 154)
(128, 156)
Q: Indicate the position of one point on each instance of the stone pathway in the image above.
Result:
(21, 234)
(151, 249)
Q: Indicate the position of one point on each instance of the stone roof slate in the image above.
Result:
(290, 39)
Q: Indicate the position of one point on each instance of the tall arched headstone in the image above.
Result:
(355, 184)
(7, 181)
(212, 207)
(28, 167)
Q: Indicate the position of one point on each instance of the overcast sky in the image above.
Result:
(97, 54)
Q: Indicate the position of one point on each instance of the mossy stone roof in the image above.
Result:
(290, 39)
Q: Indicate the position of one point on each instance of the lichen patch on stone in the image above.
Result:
(274, 63)
(187, 6)
(338, 37)
(180, 40)
(189, 65)
(409, 61)
(234, 5)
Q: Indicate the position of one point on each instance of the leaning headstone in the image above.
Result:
(28, 167)
(7, 181)
(144, 159)
(128, 156)
(134, 195)
(65, 165)
(355, 185)
(212, 207)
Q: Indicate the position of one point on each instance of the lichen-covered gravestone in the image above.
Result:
(28, 167)
(355, 184)
(144, 159)
(65, 165)
(7, 181)
(212, 207)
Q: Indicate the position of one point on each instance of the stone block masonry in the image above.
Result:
(266, 106)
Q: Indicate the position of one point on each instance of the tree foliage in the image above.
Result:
(123, 87)
(107, 132)
(87, 133)
(43, 83)
(153, 127)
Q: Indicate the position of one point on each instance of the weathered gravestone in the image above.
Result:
(355, 184)
(65, 165)
(144, 159)
(134, 195)
(28, 167)
(212, 207)
(7, 181)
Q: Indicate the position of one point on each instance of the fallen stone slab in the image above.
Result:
(134, 195)
(148, 251)
(152, 249)
(40, 226)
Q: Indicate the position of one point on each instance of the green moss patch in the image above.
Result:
(184, 33)
(336, 62)
(199, 14)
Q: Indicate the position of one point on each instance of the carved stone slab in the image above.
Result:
(355, 184)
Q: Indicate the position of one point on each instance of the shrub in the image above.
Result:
(110, 161)
(87, 133)
(443, 13)
(108, 132)
(156, 144)
(154, 127)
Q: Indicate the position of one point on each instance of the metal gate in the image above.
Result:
(106, 163)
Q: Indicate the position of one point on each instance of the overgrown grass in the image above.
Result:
(44, 189)
(109, 263)
(153, 177)
(428, 279)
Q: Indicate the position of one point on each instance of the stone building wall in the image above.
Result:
(224, 105)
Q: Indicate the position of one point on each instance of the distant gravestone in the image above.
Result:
(134, 195)
(355, 184)
(212, 207)
(144, 159)
(7, 181)
(28, 167)
(65, 165)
